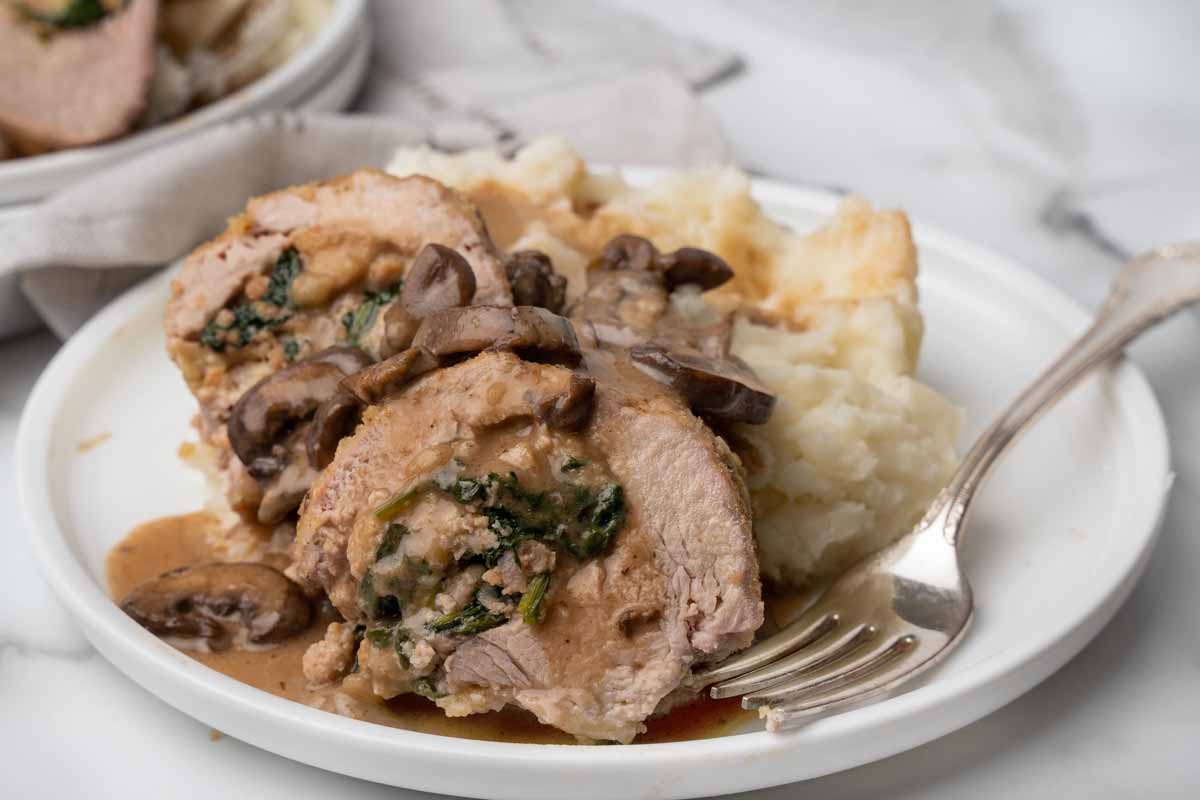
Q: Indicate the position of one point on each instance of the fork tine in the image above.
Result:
(802, 632)
(787, 716)
(790, 716)
(841, 674)
(846, 646)
(807, 657)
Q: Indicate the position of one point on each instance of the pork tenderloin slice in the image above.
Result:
(684, 489)
(354, 238)
(688, 517)
(354, 233)
(403, 442)
(213, 276)
(679, 584)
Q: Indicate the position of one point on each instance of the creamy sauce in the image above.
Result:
(169, 542)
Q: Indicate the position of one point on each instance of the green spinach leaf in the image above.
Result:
(271, 310)
(76, 14)
(360, 320)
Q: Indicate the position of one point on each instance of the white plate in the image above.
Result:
(25, 179)
(1059, 537)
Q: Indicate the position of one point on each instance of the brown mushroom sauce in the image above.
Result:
(628, 308)
(171, 542)
(283, 430)
(251, 622)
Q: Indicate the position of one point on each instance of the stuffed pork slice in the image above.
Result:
(495, 558)
(340, 263)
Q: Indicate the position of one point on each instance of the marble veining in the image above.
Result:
(1063, 215)
(21, 648)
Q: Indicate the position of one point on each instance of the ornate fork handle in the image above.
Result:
(1149, 289)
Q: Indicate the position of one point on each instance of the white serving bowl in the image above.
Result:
(34, 177)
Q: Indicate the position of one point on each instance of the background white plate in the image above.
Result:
(25, 179)
(1058, 539)
(333, 94)
(341, 85)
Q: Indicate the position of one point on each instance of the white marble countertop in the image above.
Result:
(1066, 136)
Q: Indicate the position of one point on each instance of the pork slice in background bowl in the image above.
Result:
(335, 57)
(73, 79)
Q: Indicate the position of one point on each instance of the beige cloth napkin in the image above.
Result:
(459, 77)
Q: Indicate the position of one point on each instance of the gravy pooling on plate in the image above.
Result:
(170, 542)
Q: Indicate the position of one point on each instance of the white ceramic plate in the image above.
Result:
(25, 179)
(1059, 537)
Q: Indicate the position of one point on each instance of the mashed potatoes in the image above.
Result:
(856, 447)
(850, 460)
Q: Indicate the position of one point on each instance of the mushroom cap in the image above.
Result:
(439, 278)
(206, 600)
(267, 408)
(370, 385)
(271, 427)
(691, 265)
(627, 251)
(400, 327)
(528, 331)
(720, 389)
(335, 418)
(683, 266)
(533, 281)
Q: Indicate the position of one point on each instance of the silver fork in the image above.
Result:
(902, 610)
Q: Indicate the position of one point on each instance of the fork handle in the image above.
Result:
(1147, 290)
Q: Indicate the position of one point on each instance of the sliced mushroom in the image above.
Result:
(627, 305)
(370, 385)
(335, 419)
(529, 331)
(693, 265)
(399, 328)
(571, 411)
(274, 405)
(347, 359)
(723, 389)
(216, 602)
(269, 426)
(627, 252)
(440, 278)
(687, 265)
(533, 281)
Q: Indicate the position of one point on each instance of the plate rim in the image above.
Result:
(296, 78)
(1002, 677)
